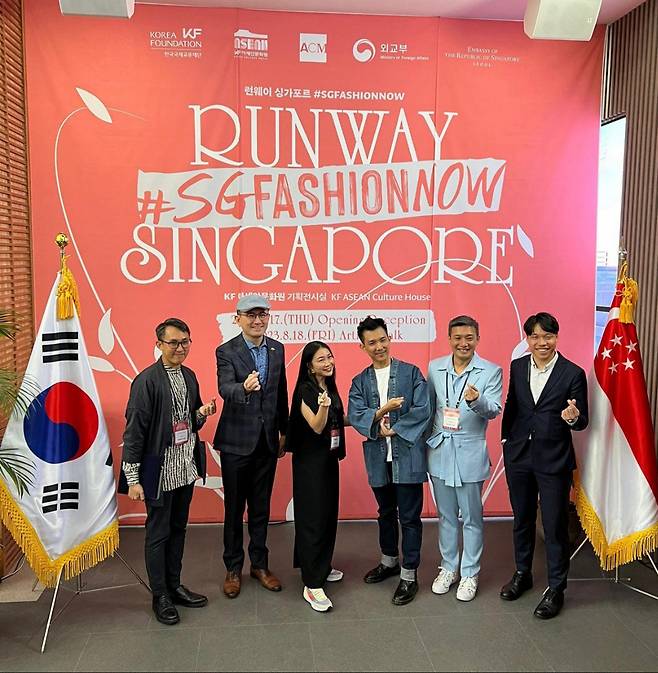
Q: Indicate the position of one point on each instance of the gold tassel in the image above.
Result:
(629, 295)
(67, 293)
(627, 549)
(83, 557)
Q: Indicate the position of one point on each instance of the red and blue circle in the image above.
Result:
(61, 423)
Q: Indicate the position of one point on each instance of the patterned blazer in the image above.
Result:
(244, 415)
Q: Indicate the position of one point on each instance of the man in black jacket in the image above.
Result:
(547, 399)
(251, 376)
(162, 458)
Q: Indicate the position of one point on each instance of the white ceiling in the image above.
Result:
(502, 10)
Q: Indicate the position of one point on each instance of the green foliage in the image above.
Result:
(16, 393)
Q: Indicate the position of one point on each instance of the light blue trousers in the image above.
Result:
(450, 500)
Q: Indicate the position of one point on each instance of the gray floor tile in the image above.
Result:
(272, 647)
(23, 619)
(12, 647)
(369, 645)
(637, 612)
(62, 653)
(588, 638)
(102, 611)
(603, 626)
(141, 650)
(474, 643)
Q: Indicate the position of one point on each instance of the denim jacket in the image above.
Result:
(409, 422)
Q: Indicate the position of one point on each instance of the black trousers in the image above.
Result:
(165, 539)
(247, 480)
(553, 489)
(315, 480)
(405, 501)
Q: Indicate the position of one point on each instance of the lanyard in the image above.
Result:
(459, 399)
(180, 402)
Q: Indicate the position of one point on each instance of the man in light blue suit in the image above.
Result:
(465, 394)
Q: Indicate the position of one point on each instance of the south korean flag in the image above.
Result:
(66, 520)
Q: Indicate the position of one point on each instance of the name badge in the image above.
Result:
(181, 432)
(450, 419)
(335, 439)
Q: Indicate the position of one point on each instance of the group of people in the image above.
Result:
(412, 426)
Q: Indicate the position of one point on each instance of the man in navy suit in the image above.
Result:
(547, 399)
(251, 376)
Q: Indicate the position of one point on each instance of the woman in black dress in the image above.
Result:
(316, 438)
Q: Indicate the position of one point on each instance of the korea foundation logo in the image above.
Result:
(312, 48)
(250, 45)
(188, 38)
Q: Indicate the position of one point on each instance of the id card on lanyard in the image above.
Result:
(450, 419)
(181, 433)
(335, 439)
(181, 429)
(451, 414)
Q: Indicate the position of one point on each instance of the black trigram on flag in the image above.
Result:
(60, 496)
(58, 346)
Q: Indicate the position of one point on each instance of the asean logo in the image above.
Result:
(61, 423)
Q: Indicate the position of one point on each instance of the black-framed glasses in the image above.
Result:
(252, 315)
(174, 344)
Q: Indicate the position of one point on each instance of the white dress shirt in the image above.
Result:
(539, 377)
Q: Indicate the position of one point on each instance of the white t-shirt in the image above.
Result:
(383, 375)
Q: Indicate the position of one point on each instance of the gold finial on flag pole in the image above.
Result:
(62, 241)
(67, 290)
(629, 291)
(622, 263)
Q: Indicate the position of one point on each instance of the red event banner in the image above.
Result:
(344, 165)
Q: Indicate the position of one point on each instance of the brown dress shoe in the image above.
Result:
(265, 577)
(232, 584)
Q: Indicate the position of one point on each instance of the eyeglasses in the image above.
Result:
(174, 344)
(251, 316)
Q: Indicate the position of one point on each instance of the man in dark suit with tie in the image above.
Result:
(250, 436)
(547, 399)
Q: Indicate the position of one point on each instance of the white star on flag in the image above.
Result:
(605, 353)
(616, 341)
(629, 363)
(613, 367)
(632, 346)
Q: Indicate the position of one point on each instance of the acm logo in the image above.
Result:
(312, 47)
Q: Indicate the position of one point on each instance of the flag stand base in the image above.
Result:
(79, 589)
(623, 581)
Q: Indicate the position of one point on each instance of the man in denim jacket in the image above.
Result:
(389, 406)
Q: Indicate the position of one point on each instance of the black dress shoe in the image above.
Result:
(517, 586)
(165, 610)
(380, 573)
(405, 593)
(550, 605)
(183, 596)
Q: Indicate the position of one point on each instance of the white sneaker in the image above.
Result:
(335, 575)
(444, 580)
(467, 588)
(317, 599)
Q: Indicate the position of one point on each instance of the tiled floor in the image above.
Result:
(603, 627)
